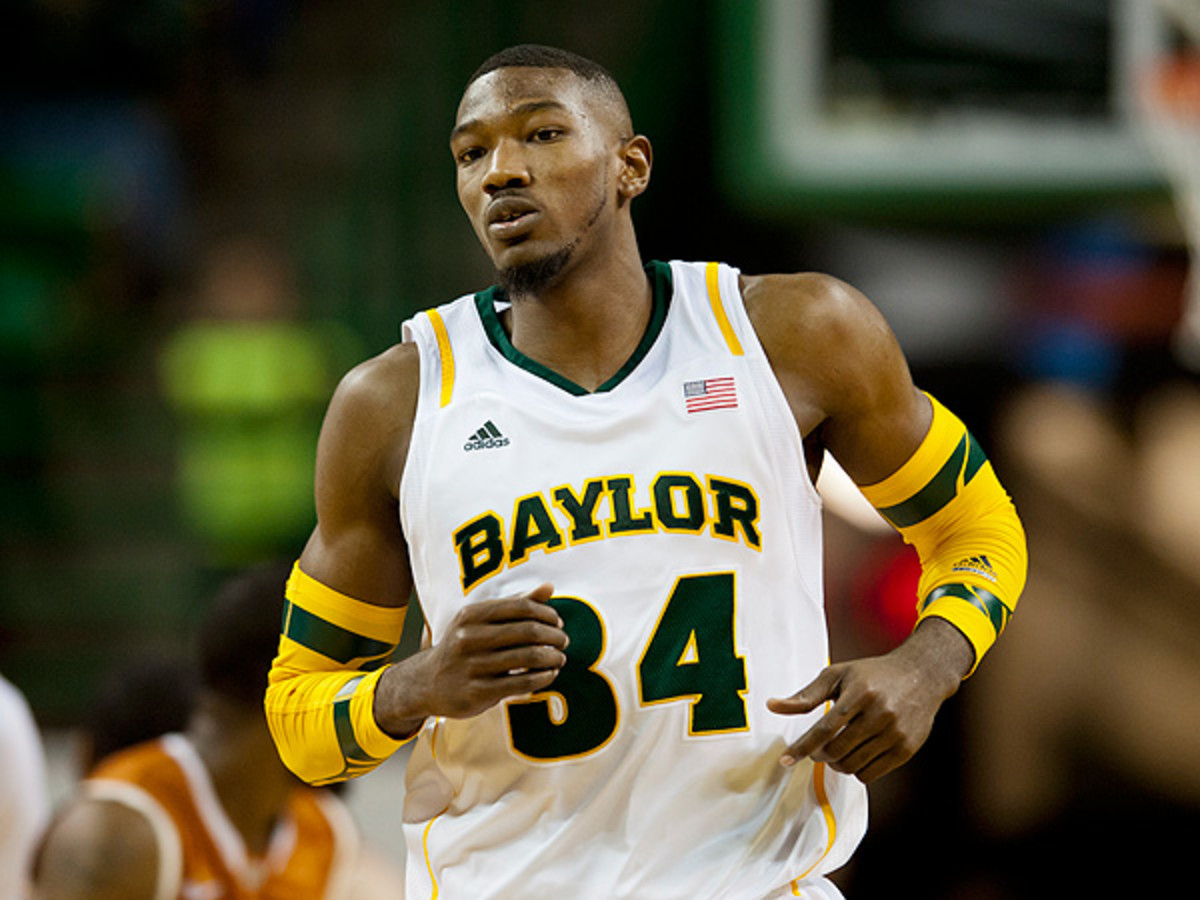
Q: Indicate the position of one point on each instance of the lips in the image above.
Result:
(510, 216)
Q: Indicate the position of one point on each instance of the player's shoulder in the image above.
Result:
(803, 306)
(383, 388)
(370, 419)
(384, 377)
(101, 846)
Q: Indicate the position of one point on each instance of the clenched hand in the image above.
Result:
(492, 650)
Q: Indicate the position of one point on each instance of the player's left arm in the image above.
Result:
(849, 387)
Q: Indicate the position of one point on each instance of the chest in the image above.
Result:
(601, 496)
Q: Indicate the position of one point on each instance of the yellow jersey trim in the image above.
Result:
(428, 863)
(711, 279)
(830, 824)
(446, 353)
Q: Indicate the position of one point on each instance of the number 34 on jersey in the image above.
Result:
(690, 655)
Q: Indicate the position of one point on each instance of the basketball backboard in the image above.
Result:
(908, 102)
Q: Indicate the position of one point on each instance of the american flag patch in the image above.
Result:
(711, 393)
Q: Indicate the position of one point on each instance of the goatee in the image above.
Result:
(536, 275)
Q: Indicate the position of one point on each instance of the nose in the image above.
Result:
(507, 167)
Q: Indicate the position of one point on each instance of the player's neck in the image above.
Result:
(586, 325)
(251, 783)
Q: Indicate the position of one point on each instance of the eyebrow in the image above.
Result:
(523, 110)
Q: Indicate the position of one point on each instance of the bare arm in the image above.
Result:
(843, 373)
(850, 390)
(492, 649)
(357, 547)
(98, 850)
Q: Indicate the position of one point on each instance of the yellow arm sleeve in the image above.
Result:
(947, 502)
(321, 688)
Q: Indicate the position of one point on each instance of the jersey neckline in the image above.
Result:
(661, 288)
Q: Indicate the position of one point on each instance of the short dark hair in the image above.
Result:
(139, 699)
(239, 635)
(539, 56)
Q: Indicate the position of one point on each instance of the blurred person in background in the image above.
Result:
(141, 699)
(209, 810)
(635, 734)
(246, 377)
(24, 802)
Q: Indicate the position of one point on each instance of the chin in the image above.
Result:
(520, 252)
(532, 273)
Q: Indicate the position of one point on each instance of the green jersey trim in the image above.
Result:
(661, 288)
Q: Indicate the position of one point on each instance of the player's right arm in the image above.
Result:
(98, 850)
(334, 709)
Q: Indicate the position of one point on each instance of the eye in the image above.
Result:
(546, 134)
(468, 155)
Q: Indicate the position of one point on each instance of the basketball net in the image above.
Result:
(1169, 108)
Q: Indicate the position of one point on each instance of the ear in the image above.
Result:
(636, 161)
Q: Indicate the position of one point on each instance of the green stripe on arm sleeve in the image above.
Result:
(963, 465)
(339, 644)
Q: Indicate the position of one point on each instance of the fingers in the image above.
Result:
(530, 605)
(822, 688)
(814, 742)
(494, 658)
(870, 762)
(529, 682)
(496, 649)
(472, 637)
(542, 592)
(860, 734)
(518, 661)
(863, 751)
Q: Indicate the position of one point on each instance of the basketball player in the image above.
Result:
(209, 811)
(598, 478)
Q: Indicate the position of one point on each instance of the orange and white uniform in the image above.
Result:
(202, 856)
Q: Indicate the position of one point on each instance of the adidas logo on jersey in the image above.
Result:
(978, 565)
(486, 438)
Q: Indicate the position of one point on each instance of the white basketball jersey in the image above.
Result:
(672, 511)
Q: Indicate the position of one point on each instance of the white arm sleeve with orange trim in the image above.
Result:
(948, 503)
(321, 689)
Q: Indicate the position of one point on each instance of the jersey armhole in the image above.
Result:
(427, 331)
(720, 282)
(724, 286)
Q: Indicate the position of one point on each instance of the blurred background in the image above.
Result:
(211, 209)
